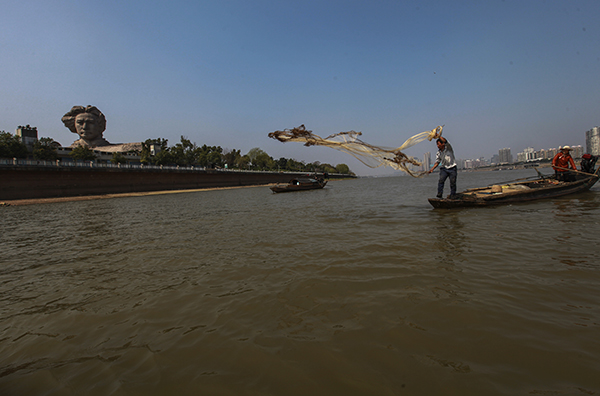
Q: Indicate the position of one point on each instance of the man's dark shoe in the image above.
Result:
(453, 196)
(439, 196)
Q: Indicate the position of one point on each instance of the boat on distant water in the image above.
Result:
(300, 184)
(541, 188)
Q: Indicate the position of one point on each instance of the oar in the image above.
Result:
(573, 170)
(542, 176)
(539, 173)
(524, 178)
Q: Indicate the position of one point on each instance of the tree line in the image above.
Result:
(187, 153)
(184, 153)
(11, 146)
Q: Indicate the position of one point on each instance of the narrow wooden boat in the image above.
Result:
(541, 188)
(299, 184)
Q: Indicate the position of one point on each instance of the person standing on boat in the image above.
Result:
(448, 169)
(561, 163)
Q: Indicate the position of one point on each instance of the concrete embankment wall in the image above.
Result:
(21, 182)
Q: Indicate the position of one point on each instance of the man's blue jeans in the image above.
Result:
(444, 174)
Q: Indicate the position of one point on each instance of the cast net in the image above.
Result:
(370, 155)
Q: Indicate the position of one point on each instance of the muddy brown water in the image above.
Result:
(357, 289)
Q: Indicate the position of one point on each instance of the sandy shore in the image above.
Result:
(19, 202)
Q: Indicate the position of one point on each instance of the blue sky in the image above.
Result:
(497, 73)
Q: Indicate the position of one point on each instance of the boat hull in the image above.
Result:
(531, 191)
(299, 185)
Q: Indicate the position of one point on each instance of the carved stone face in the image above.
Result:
(87, 126)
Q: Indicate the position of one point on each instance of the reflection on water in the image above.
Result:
(360, 288)
(450, 241)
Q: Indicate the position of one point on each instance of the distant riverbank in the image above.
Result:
(26, 182)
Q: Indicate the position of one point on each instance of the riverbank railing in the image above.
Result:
(19, 162)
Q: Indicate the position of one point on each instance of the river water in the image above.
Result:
(358, 289)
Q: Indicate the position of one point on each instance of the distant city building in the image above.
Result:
(426, 161)
(545, 154)
(474, 163)
(529, 154)
(576, 151)
(592, 141)
(28, 135)
(504, 156)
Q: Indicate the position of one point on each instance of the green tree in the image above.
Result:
(163, 157)
(328, 168)
(281, 164)
(253, 153)
(159, 145)
(216, 157)
(230, 158)
(263, 161)
(295, 166)
(45, 149)
(260, 159)
(243, 162)
(83, 153)
(118, 158)
(343, 169)
(12, 146)
(185, 152)
(210, 156)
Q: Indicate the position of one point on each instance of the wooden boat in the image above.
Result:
(541, 188)
(300, 184)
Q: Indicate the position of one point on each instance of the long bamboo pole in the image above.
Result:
(573, 170)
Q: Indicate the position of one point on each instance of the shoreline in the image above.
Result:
(34, 201)
(30, 182)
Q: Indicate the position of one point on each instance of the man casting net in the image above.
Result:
(370, 155)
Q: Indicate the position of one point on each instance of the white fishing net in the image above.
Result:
(370, 155)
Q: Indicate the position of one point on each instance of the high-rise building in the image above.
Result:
(504, 156)
(426, 161)
(529, 154)
(592, 141)
(576, 151)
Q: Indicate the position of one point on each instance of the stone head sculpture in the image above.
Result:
(89, 123)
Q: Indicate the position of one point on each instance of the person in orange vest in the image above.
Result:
(561, 163)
